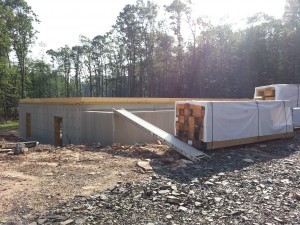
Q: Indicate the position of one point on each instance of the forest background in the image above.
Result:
(144, 56)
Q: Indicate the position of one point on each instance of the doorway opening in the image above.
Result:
(58, 131)
(28, 125)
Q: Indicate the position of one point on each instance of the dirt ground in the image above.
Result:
(47, 176)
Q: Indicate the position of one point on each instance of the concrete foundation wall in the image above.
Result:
(42, 123)
(107, 128)
(97, 127)
(127, 133)
(94, 123)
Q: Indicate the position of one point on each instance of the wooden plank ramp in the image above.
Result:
(179, 146)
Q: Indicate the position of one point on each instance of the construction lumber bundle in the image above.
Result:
(266, 93)
(189, 123)
(217, 124)
(288, 92)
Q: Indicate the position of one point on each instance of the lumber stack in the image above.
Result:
(190, 123)
(267, 93)
(218, 124)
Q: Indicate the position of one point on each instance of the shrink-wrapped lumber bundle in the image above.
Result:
(189, 124)
(216, 124)
(287, 92)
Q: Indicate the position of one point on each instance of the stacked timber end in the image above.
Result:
(266, 93)
(190, 123)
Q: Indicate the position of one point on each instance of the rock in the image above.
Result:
(158, 142)
(278, 219)
(25, 151)
(245, 218)
(183, 209)
(103, 197)
(197, 204)
(266, 197)
(173, 187)
(208, 183)
(224, 182)
(163, 192)
(33, 223)
(297, 196)
(19, 148)
(285, 181)
(28, 216)
(217, 199)
(173, 200)
(169, 217)
(56, 217)
(262, 185)
(145, 166)
(137, 196)
(248, 160)
(69, 221)
(192, 193)
(41, 221)
(80, 221)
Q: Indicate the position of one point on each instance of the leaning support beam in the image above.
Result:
(181, 147)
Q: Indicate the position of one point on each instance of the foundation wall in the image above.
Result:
(97, 127)
(93, 122)
(42, 123)
(127, 133)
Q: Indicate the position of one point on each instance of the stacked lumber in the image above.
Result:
(190, 123)
(267, 93)
(218, 124)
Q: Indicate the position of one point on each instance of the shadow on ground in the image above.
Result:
(174, 166)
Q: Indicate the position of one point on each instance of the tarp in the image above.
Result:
(289, 92)
(231, 120)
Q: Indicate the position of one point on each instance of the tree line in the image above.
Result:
(146, 56)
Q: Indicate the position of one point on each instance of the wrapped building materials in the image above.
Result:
(289, 92)
(216, 124)
(296, 116)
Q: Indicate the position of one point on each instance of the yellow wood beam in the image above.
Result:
(103, 100)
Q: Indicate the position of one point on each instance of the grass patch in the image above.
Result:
(9, 125)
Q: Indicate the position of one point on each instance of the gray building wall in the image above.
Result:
(88, 123)
(97, 127)
(42, 122)
(107, 128)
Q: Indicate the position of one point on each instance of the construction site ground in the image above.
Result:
(150, 184)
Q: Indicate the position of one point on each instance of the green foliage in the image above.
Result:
(9, 125)
(143, 57)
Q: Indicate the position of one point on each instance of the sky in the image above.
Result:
(63, 21)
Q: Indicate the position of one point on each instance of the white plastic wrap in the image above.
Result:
(289, 92)
(231, 120)
(296, 116)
